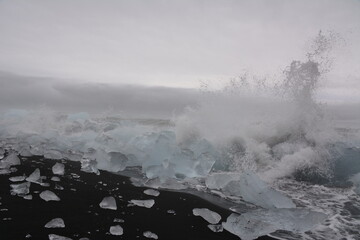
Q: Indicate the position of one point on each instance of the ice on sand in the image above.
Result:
(49, 196)
(89, 166)
(216, 227)
(10, 160)
(17, 178)
(266, 221)
(58, 237)
(28, 197)
(152, 192)
(108, 203)
(55, 223)
(143, 203)
(20, 189)
(55, 179)
(58, 169)
(34, 177)
(116, 230)
(149, 234)
(220, 180)
(208, 215)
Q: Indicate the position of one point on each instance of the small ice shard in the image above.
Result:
(20, 189)
(119, 220)
(58, 237)
(34, 177)
(216, 227)
(49, 196)
(58, 169)
(108, 203)
(28, 197)
(170, 211)
(143, 203)
(261, 222)
(116, 230)
(152, 192)
(208, 215)
(55, 223)
(89, 166)
(28, 236)
(149, 234)
(55, 179)
(17, 178)
(10, 160)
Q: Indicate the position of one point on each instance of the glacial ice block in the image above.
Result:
(58, 237)
(143, 203)
(55, 223)
(108, 203)
(58, 169)
(20, 189)
(89, 166)
(49, 196)
(210, 216)
(220, 180)
(256, 223)
(116, 230)
(149, 234)
(34, 177)
(152, 192)
(10, 160)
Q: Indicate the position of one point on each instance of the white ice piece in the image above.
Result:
(89, 166)
(152, 192)
(10, 160)
(143, 203)
(58, 237)
(149, 234)
(55, 223)
(116, 230)
(20, 189)
(17, 178)
(58, 169)
(49, 196)
(28, 197)
(34, 176)
(256, 223)
(216, 227)
(208, 215)
(55, 179)
(108, 203)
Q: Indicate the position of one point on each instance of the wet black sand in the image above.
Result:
(79, 208)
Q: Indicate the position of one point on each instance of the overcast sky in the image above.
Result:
(173, 43)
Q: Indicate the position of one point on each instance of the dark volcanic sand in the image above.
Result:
(79, 208)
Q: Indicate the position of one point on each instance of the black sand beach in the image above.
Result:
(79, 208)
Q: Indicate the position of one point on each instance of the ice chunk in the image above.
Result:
(108, 203)
(55, 179)
(20, 189)
(152, 192)
(116, 230)
(143, 203)
(10, 160)
(34, 177)
(49, 196)
(4, 171)
(55, 223)
(208, 215)
(58, 169)
(58, 237)
(252, 189)
(89, 166)
(119, 220)
(53, 154)
(356, 181)
(149, 234)
(28, 197)
(118, 161)
(216, 228)
(220, 180)
(17, 178)
(254, 224)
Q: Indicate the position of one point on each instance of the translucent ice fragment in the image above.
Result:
(55, 179)
(34, 176)
(20, 189)
(17, 179)
(108, 203)
(152, 192)
(116, 230)
(143, 203)
(58, 237)
(208, 215)
(28, 197)
(261, 222)
(220, 180)
(58, 169)
(10, 160)
(216, 227)
(49, 196)
(149, 234)
(53, 154)
(55, 223)
(89, 166)
(118, 161)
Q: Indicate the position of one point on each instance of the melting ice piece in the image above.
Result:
(53, 154)
(55, 223)
(208, 215)
(356, 181)
(10, 160)
(220, 180)
(118, 161)
(58, 237)
(143, 203)
(261, 222)
(20, 189)
(89, 166)
(149, 234)
(49, 196)
(216, 228)
(28, 197)
(116, 230)
(34, 177)
(152, 192)
(58, 169)
(252, 189)
(55, 179)
(17, 179)
(108, 203)
(119, 220)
